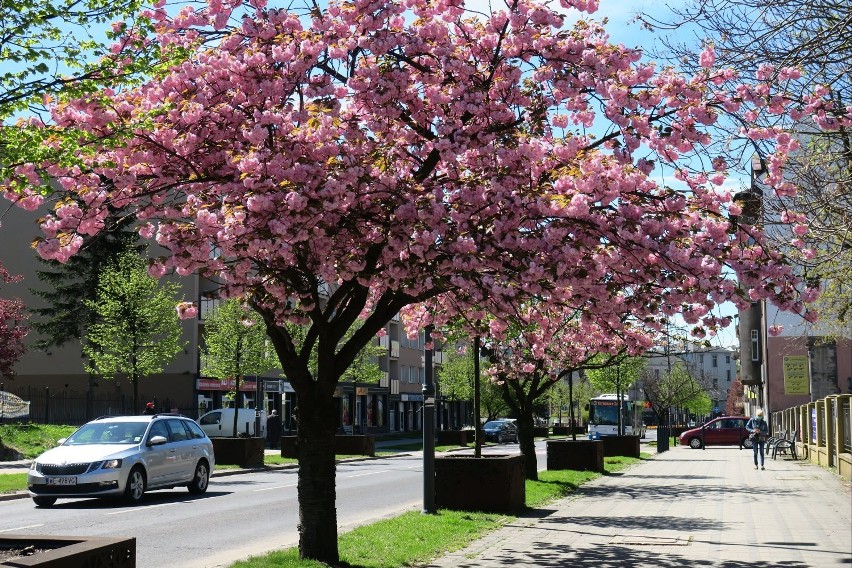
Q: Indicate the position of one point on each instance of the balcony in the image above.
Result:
(394, 349)
(394, 387)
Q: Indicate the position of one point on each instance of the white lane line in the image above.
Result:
(368, 473)
(276, 487)
(140, 509)
(21, 528)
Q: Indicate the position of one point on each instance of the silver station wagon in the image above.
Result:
(124, 456)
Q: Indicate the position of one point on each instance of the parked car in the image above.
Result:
(722, 431)
(501, 431)
(220, 423)
(124, 456)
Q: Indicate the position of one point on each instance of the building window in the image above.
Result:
(422, 375)
(727, 359)
(728, 375)
(701, 358)
(403, 373)
(715, 360)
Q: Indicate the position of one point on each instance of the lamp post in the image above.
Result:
(428, 428)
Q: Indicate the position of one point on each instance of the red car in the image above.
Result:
(722, 431)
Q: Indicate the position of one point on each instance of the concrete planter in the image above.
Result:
(541, 431)
(343, 445)
(69, 551)
(581, 455)
(454, 437)
(245, 452)
(567, 430)
(494, 483)
(621, 446)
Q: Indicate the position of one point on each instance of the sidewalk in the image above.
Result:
(702, 508)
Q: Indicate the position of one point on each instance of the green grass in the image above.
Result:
(10, 482)
(411, 538)
(414, 538)
(33, 439)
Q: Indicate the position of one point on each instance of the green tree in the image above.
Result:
(62, 316)
(675, 388)
(455, 378)
(616, 376)
(137, 331)
(235, 345)
(47, 45)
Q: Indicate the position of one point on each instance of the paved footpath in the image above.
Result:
(684, 508)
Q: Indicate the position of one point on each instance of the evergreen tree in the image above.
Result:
(69, 286)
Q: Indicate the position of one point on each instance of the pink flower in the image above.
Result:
(186, 310)
(775, 330)
(708, 57)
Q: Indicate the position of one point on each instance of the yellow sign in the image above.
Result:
(796, 375)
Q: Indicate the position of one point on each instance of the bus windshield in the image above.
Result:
(603, 413)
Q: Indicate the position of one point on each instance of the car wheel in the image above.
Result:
(747, 443)
(44, 501)
(135, 488)
(499, 438)
(695, 443)
(201, 479)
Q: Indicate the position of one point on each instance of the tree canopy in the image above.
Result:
(803, 47)
(13, 328)
(356, 159)
(137, 331)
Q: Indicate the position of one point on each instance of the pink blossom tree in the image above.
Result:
(13, 328)
(366, 156)
(542, 343)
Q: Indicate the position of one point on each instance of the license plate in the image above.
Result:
(61, 481)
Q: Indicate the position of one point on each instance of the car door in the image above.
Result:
(182, 444)
(159, 459)
(737, 430)
(713, 435)
(211, 423)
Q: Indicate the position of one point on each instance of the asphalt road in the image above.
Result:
(240, 515)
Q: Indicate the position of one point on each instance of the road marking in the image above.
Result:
(21, 528)
(368, 473)
(145, 508)
(276, 487)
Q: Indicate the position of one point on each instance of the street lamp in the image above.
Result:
(428, 427)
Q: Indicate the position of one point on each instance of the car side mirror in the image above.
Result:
(60, 441)
(157, 441)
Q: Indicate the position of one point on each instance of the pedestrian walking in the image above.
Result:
(758, 432)
(273, 429)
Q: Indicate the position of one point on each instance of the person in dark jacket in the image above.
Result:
(273, 429)
(149, 409)
(758, 430)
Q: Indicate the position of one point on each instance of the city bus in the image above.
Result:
(603, 416)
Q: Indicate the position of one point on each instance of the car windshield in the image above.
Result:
(494, 424)
(108, 433)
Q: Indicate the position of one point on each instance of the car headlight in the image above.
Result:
(34, 466)
(111, 464)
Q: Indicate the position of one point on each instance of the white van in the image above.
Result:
(220, 423)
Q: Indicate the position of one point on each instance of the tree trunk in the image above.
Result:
(526, 439)
(316, 415)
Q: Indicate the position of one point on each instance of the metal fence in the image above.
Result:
(846, 426)
(74, 407)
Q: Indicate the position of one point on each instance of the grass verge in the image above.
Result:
(413, 538)
(31, 440)
(11, 482)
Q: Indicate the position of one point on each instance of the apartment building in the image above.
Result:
(393, 404)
